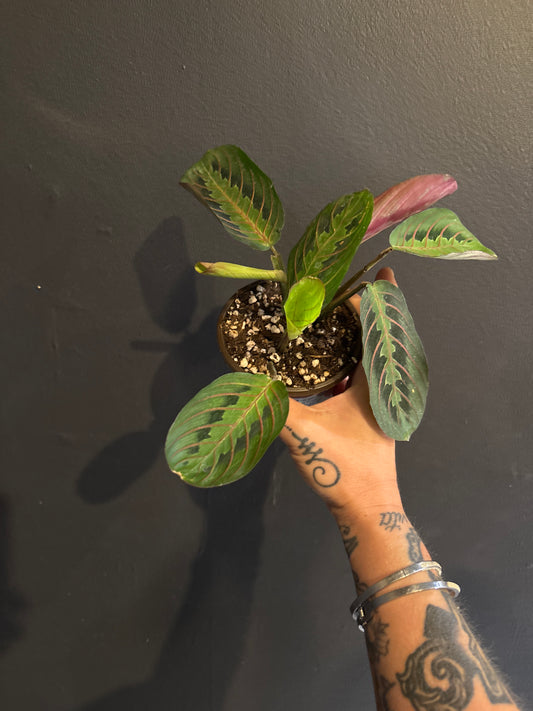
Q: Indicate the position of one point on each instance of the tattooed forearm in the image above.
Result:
(383, 686)
(413, 541)
(350, 542)
(392, 519)
(490, 679)
(360, 587)
(377, 640)
(440, 673)
(325, 473)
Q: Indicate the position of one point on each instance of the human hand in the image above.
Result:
(339, 448)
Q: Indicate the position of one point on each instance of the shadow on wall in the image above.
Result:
(166, 277)
(181, 678)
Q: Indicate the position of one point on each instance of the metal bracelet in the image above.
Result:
(365, 611)
(394, 577)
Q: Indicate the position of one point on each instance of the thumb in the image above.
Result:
(386, 274)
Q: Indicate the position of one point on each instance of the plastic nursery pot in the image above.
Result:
(320, 389)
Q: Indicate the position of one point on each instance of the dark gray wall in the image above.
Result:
(120, 587)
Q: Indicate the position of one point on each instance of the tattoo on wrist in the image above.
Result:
(413, 541)
(360, 587)
(325, 473)
(350, 542)
(392, 519)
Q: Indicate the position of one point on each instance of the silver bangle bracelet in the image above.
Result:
(394, 577)
(364, 613)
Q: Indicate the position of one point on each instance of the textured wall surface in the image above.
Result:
(120, 587)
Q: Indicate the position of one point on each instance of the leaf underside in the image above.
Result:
(330, 242)
(439, 233)
(239, 194)
(303, 305)
(394, 360)
(221, 434)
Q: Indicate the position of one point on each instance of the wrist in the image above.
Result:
(379, 541)
(363, 508)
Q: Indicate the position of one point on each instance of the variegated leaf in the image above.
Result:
(239, 194)
(393, 359)
(328, 245)
(438, 233)
(221, 434)
(407, 198)
(303, 305)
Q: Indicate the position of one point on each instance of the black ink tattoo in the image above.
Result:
(326, 473)
(493, 685)
(392, 520)
(439, 675)
(414, 542)
(383, 686)
(377, 640)
(360, 587)
(350, 542)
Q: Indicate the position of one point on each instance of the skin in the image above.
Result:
(422, 653)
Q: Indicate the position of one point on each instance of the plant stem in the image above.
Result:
(277, 263)
(344, 296)
(344, 287)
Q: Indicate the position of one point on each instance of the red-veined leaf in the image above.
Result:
(438, 233)
(393, 359)
(328, 245)
(239, 194)
(221, 434)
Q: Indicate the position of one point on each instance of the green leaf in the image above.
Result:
(239, 271)
(239, 194)
(393, 359)
(303, 305)
(438, 232)
(221, 434)
(328, 245)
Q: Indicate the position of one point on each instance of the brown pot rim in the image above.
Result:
(293, 391)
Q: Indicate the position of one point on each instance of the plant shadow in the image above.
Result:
(190, 671)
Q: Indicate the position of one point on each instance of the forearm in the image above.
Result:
(421, 651)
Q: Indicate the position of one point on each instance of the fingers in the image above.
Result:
(386, 274)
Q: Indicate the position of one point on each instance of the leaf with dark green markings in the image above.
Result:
(329, 244)
(303, 305)
(438, 233)
(393, 359)
(239, 194)
(221, 434)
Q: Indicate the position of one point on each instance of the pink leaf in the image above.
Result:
(407, 198)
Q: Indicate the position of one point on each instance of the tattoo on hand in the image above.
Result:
(350, 542)
(439, 675)
(326, 473)
(392, 519)
(414, 542)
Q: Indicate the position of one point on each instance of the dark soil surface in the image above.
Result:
(253, 330)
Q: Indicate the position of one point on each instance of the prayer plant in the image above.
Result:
(221, 434)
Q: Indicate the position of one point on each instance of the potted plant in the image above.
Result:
(221, 434)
